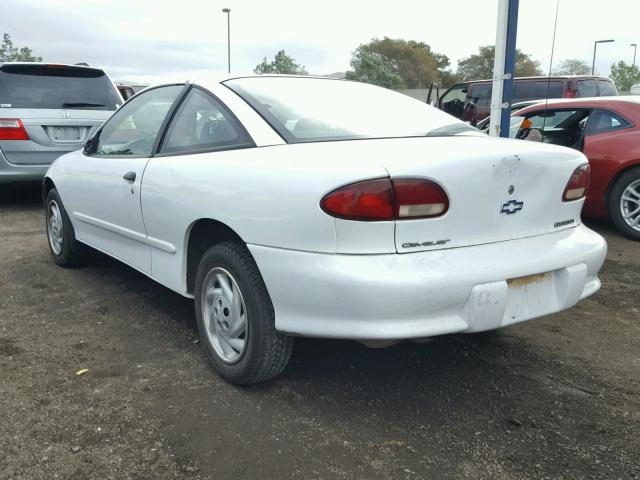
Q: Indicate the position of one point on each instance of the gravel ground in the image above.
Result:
(553, 398)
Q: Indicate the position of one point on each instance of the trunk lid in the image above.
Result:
(498, 190)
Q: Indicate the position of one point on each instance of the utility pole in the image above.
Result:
(635, 48)
(504, 67)
(228, 12)
(595, 46)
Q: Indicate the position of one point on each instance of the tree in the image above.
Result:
(9, 53)
(573, 66)
(480, 65)
(625, 75)
(282, 63)
(397, 63)
(370, 68)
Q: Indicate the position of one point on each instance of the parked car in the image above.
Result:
(287, 206)
(483, 125)
(607, 131)
(459, 99)
(48, 110)
(126, 91)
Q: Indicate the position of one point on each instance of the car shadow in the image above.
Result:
(21, 195)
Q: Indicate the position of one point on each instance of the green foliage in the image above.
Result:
(370, 68)
(480, 65)
(282, 64)
(573, 66)
(9, 53)
(396, 63)
(625, 75)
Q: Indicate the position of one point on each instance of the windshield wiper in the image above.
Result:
(82, 104)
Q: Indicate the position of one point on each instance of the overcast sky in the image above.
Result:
(146, 40)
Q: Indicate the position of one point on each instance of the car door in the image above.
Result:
(104, 185)
(607, 141)
(200, 152)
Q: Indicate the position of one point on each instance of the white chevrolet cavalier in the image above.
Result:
(290, 206)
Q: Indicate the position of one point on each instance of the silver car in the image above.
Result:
(46, 111)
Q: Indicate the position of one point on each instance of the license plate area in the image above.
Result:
(65, 134)
(523, 282)
(530, 296)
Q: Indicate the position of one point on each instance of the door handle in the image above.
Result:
(130, 176)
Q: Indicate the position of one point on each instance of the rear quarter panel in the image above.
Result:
(609, 153)
(268, 195)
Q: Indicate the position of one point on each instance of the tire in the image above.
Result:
(623, 200)
(63, 246)
(235, 317)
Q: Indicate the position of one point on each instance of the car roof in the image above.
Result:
(215, 79)
(555, 102)
(46, 64)
(545, 77)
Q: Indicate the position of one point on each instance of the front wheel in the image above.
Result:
(624, 204)
(64, 248)
(235, 317)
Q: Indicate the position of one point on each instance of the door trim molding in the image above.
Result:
(125, 232)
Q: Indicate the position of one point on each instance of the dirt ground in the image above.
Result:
(554, 398)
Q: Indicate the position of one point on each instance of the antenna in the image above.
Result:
(553, 46)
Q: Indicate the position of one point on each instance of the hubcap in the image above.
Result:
(224, 315)
(54, 227)
(630, 205)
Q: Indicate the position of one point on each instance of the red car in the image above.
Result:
(607, 131)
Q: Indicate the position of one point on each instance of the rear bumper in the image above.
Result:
(414, 295)
(27, 172)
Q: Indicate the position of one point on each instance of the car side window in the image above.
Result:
(586, 88)
(202, 123)
(605, 121)
(535, 90)
(452, 101)
(550, 118)
(133, 129)
(558, 127)
(480, 93)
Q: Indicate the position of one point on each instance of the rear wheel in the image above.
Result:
(64, 248)
(624, 204)
(235, 317)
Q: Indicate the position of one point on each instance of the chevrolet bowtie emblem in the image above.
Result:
(511, 207)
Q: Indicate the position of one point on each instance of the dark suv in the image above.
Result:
(459, 99)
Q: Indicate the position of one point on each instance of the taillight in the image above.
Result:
(368, 200)
(578, 184)
(419, 198)
(386, 199)
(12, 129)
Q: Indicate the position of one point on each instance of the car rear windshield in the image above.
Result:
(316, 109)
(607, 88)
(53, 86)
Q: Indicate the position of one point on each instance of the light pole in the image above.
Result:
(228, 12)
(595, 46)
(635, 48)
